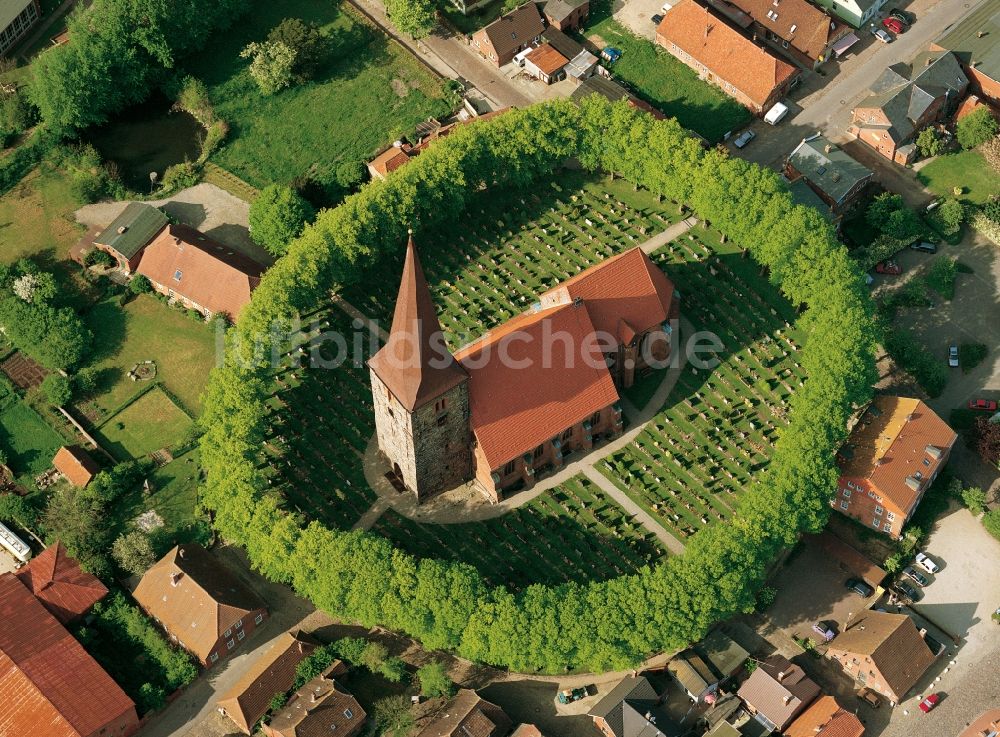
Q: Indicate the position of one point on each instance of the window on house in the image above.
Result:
(926, 462)
(348, 713)
(228, 632)
(845, 504)
(567, 433)
(440, 404)
(213, 657)
(887, 527)
(231, 644)
(890, 516)
(258, 619)
(442, 420)
(177, 275)
(876, 523)
(595, 418)
(240, 635)
(847, 493)
(509, 468)
(239, 624)
(538, 451)
(878, 511)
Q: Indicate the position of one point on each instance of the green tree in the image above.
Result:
(316, 662)
(57, 389)
(974, 499)
(393, 669)
(373, 656)
(351, 649)
(270, 66)
(307, 42)
(393, 716)
(976, 128)
(140, 284)
(277, 217)
(133, 552)
(17, 509)
(991, 521)
(415, 18)
(76, 520)
(928, 141)
(434, 680)
(950, 214)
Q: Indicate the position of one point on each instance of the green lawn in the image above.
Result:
(967, 169)
(669, 85)
(370, 92)
(36, 218)
(146, 329)
(30, 443)
(151, 422)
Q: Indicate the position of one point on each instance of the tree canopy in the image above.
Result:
(277, 217)
(976, 128)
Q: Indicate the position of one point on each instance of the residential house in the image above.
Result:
(722, 654)
(527, 730)
(797, 27)
(75, 464)
(202, 606)
(321, 707)
(826, 718)
(509, 34)
(130, 233)
(856, 13)
(830, 172)
(894, 452)
(581, 62)
(976, 43)
(986, 724)
(632, 709)
(905, 99)
(611, 90)
(468, 714)
(200, 273)
(567, 15)
(883, 652)
(249, 699)
(51, 686)
(723, 56)
(546, 64)
(60, 585)
(693, 675)
(17, 17)
(777, 692)
(444, 419)
(803, 194)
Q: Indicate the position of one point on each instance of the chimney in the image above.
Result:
(175, 578)
(312, 697)
(927, 61)
(923, 632)
(180, 552)
(708, 29)
(827, 148)
(781, 676)
(786, 699)
(980, 34)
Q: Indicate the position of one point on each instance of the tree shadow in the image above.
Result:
(109, 324)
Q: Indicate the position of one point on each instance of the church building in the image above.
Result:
(513, 404)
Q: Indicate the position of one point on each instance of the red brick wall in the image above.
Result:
(221, 647)
(863, 507)
(125, 725)
(863, 672)
(986, 87)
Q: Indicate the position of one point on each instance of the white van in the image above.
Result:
(776, 113)
(667, 6)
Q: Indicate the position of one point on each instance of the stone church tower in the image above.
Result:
(420, 393)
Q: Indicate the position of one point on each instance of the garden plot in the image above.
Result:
(691, 464)
(571, 533)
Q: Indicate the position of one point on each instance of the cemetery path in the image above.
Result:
(357, 314)
(674, 231)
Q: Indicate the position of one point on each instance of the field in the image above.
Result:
(30, 443)
(36, 218)
(151, 422)
(668, 85)
(967, 169)
(690, 466)
(369, 93)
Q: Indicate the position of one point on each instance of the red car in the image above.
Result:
(986, 405)
(888, 267)
(894, 25)
(929, 703)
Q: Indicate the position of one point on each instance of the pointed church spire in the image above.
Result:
(415, 363)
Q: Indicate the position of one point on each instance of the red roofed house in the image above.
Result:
(509, 34)
(203, 607)
(203, 274)
(75, 464)
(58, 582)
(321, 707)
(468, 714)
(545, 63)
(51, 686)
(986, 724)
(826, 718)
(805, 32)
(274, 672)
(892, 456)
(514, 403)
(718, 53)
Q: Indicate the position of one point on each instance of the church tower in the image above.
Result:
(421, 393)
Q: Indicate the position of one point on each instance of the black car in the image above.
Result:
(924, 246)
(908, 591)
(904, 16)
(657, 19)
(859, 587)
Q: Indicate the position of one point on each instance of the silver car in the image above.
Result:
(882, 36)
(744, 138)
(953, 356)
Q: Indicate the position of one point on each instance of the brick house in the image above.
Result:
(835, 176)
(826, 718)
(60, 585)
(546, 64)
(631, 709)
(777, 692)
(800, 29)
(974, 42)
(51, 686)
(883, 652)
(894, 452)
(904, 100)
(509, 34)
(321, 707)
(200, 273)
(249, 699)
(512, 404)
(468, 714)
(749, 73)
(986, 724)
(567, 15)
(130, 233)
(202, 606)
(75, 464)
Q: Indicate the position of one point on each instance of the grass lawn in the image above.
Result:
(967, 169)
(36, 218)
(146, 329)
(668, 85)
(369, 93)
(151, 422)
(30, 443)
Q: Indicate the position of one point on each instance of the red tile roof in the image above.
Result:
(200, 269)
(625, 294)
(415, 363)
(825, 718)
(897, 445)
(58, 582)
(731, 57)
(803, 25)
(468, 715)
(51, 686)
(319, 709)
(547, 59)
(75, 464)
(391, 159)
(778, 689)
(984, 724)
(548, 385)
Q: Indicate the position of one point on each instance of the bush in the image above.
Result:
(351, 649)
(991, 521)
(215, 134)
(434, 680)
(991, 153)
(941, 277)
(317, 662)
(270, 66)
(910, 355)
(97, 257)
(308, 45)
(140, 284)
(985, 437)
(393, 669)
(178, 177)
(133, 552)
(57, 390)
(277, 217)
(971, 355)
(947, 217)
(393, 717)
(987, 220)
(929, 143)
(974, 499)
(976, 128)
(373, 656)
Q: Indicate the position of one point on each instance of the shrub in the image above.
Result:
(987, 220)
(215, 134)
(393, 669)
(991, 521)
(976, 128)
(393, 717)
(179, 176)
(971, 355)
(929, 143)
(270, 66)
(974, 499)
(57, 389)
(317, 662)
(140, 284)
(985, 439)
(351, 649)
(991, 152)
(133, 552)
(941, 277)
(97, 257)
(947, 217)
(193, 98)
(307, 43)
(373, 656)
(434, 680)
(909, 354)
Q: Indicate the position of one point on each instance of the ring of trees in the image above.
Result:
(608, 625)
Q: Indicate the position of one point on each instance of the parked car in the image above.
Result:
(825, 630)
(894, 25)
(907, 591)
(934, 204)
(657, 19)
(744, 138)
(984, 405)
(776, 113)
(882, 36)
(927, 563)
(870, 697)
(888, 267)
(953, 356)
(924, 246)
(903, 16)
(915, 575)
(928, 704)
(859, 587)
